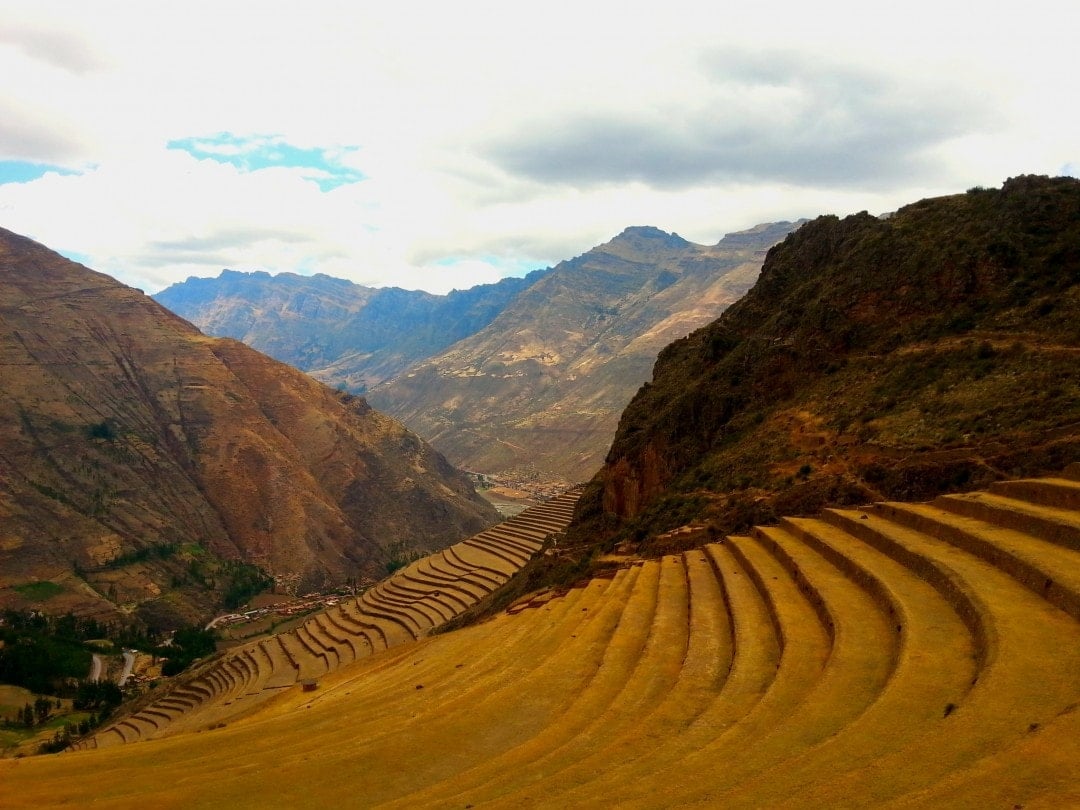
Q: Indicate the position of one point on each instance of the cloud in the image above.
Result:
(323, 166)
(52, 44)
(362, 141)
(226, 247)
(31, 133)
(236, 237)
(765, 117)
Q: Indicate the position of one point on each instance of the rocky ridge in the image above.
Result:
(876, 358)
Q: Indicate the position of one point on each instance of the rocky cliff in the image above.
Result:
(930, 351)
(540, 389)
(142, 464)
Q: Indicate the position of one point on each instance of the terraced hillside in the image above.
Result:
(894, 655)
(403, 608)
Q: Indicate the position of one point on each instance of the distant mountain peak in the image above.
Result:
(649, 231)
(638, 233)
(642, 242)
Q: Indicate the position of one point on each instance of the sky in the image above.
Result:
(442, 145)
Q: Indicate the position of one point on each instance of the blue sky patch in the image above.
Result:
(23, 171)
(254, 152)
(507, 265)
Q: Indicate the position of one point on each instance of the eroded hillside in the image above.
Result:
(141, 462)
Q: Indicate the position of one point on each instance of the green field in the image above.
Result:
(39, 591)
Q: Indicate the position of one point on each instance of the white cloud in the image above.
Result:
(491, 139)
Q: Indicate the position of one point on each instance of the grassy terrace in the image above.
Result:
(399, 610)
(900, 654)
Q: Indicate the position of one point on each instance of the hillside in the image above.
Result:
(931, 351)
(540, 389)
(407, 606)
(347, 335)
(900, 655)
(143, 464)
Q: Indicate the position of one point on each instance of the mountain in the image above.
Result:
(932, 351)
(345, 334)
(146, 467)
(539, 390)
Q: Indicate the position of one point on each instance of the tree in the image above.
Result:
(42, 709)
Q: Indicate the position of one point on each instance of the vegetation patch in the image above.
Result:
(188, 644)
(399, 555)
(39, 591)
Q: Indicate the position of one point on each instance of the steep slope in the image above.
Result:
(542, 386)
(344, 334)
(141, 462)
(931, 351)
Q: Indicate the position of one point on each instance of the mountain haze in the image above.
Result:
(141, 461)
(540, 388)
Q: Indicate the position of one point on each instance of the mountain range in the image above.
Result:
(531, 374)
(144, 465)
(345, 334)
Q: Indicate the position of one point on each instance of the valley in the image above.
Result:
(529, 393)
(900, 651)
(539, 406)
(830, 559)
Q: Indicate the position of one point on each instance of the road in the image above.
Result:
(218, 619)
(129, 662)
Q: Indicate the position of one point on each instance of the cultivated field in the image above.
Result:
(898, 655)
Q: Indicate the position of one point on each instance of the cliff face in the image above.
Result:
(933, 350)
(540, 389)
(142, 462)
